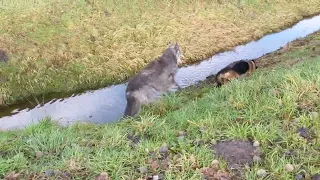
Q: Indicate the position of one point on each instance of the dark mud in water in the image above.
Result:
(107, 105)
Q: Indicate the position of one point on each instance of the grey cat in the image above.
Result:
(156, 78)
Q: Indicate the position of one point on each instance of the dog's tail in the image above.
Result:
(133, 105)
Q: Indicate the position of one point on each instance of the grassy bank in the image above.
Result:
(64, 46)
(269, 107)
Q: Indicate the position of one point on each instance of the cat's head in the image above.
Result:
(175, 48)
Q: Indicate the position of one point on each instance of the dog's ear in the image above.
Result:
(255, 64)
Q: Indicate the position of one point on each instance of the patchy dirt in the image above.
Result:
(156, 164)
(213, 173)
(103, 176)
(134, 139)
(3, 56)
(305, 133)
(12, 176)
(237, 153)
(315, 177)
(57, 174)
(307, 105)
(161, 160)
(290, 153)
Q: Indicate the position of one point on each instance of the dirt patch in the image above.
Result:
(12, 176)
(103, 176)
(134, 139)
(213, 173)
(315, 177)
(306, 106)
(237, 153)
(306, 133)
(3, 56)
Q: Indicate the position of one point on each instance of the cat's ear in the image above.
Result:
(176, 46)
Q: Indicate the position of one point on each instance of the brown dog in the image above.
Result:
(235, 70)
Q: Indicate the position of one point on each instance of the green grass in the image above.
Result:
(66, 46)
(268, 107)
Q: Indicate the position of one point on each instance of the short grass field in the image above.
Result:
(269, 107)
(63, 46)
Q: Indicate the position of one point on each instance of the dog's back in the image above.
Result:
(235, 70)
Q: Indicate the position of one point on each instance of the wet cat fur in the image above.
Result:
(156, 78)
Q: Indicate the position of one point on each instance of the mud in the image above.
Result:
(306, 133)
(237, 153)
(3, 56)
(315, 177)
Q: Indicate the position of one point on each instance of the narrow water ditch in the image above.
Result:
(106, 105)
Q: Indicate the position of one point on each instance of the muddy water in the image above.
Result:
(107, 105)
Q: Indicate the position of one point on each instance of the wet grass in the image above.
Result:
(270, 107)
(66, 46)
